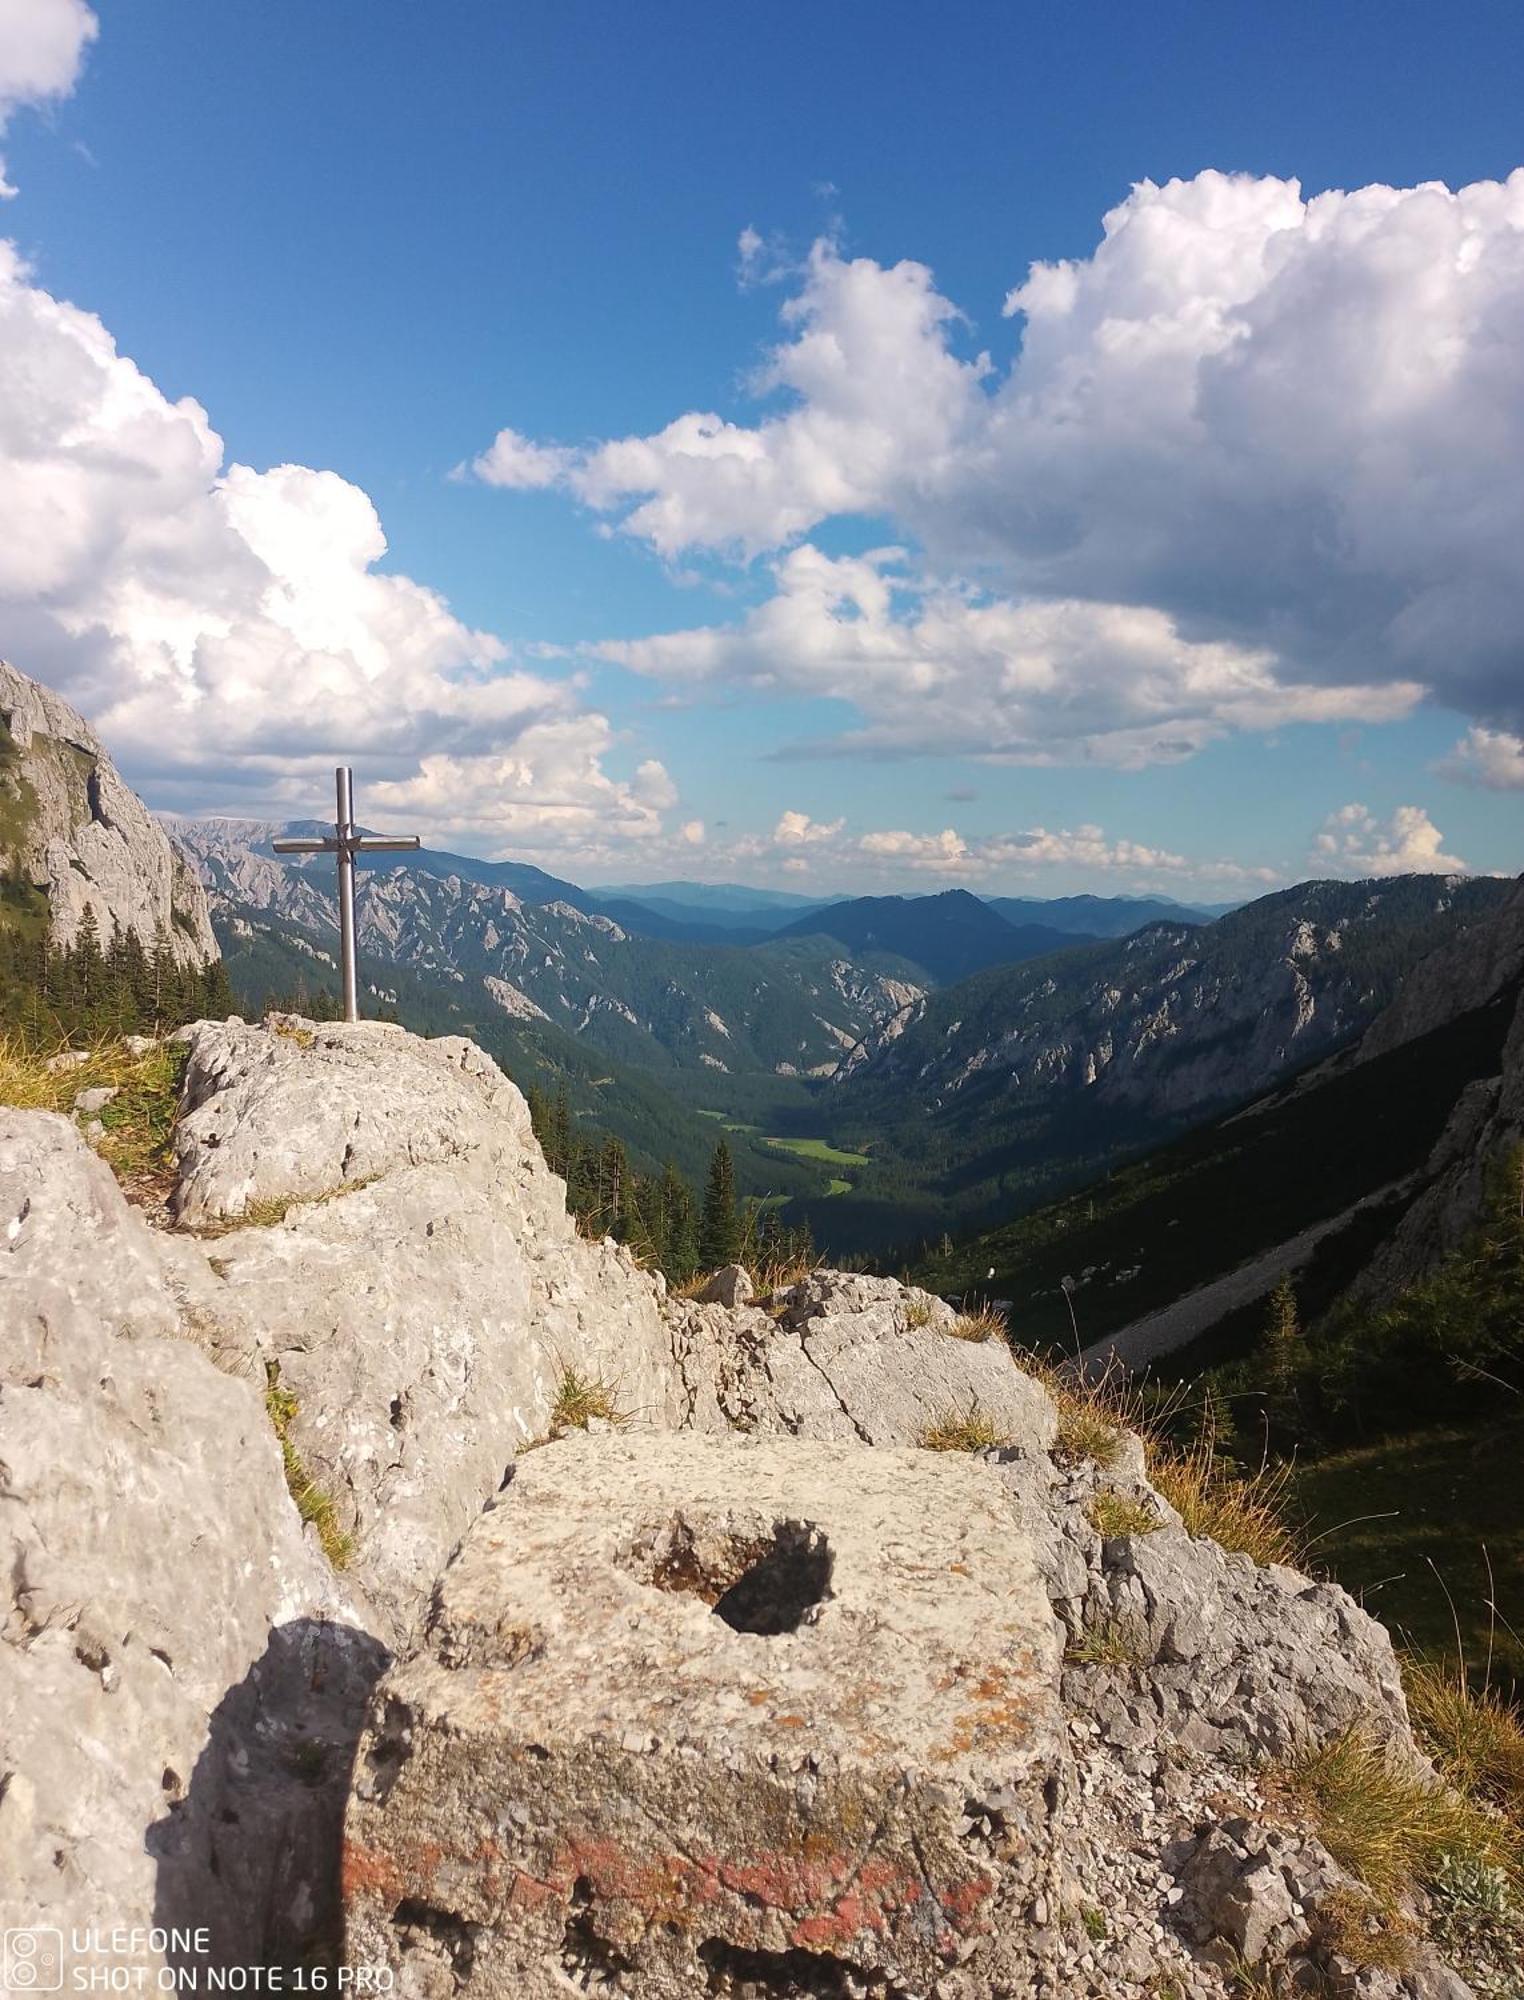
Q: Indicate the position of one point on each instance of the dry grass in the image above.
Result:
(312, 1503)
(1358, 1928)
(918, 1313)
(1241, 1511)
(780, 1274)
(1475, 1737)
(1109, 1642)
(582, 1400)
(1092, 1414)
(1114, 1515)
(1389, 1824)
(137, 1142)
(960, 1430)
(986, 1324)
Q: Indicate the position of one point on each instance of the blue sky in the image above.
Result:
(368, 239)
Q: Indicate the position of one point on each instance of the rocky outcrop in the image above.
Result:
(391, 1248)
(840, 1355)
(181, 1675)
(75, 833)
(954, 1714)
(807, 1672)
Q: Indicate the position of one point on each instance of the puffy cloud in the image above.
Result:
(1286, 428)
(829, 849)
(1492, 758)
(935, 667)
(1354, 842)
(42, 45)
(515, 461)
(228, 630)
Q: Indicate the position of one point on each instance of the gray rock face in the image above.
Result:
(1488, 1120)
(425, 1292)
(805, 1666)
(165, 1754)
(85, 840)
(850, 1357)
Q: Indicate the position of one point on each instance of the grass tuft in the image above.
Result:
(1475, 1737)
(1388, 1824)
(960, 1430)
(918, 1313)
(986, 1324)
(581, 1400)
(1108, 1642)
(1375, 1937)
(1092, 1414)
(1114, 1516)
(1243, 1512)
(312, 1503)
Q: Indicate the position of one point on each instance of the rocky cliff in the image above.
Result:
(75, 837)
(639, 1645)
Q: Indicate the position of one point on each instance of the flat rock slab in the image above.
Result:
(711, 1715)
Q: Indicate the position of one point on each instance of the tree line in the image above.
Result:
(87, 991)
(660, 1215)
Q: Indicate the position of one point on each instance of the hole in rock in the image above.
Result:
(455, 1934)
(765, 1582)
(740, 1974)
(584, 1954)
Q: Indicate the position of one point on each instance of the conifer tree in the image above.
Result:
(719, 1240)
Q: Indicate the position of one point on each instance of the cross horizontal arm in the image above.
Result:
(305, 846)
(380, 843)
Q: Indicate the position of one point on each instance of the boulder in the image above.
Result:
(181, 1674)
(730, 1286)
(693, 1712)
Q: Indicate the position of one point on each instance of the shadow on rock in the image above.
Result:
(249, 1849)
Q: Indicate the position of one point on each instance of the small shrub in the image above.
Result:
(986, 1324)
(1116, 1515)
(1476, 1919)
(1109, 1642)
(960, 1430)
(312, 1503)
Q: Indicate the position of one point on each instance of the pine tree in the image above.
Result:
(1283, 1354)
(680, 1238)
(719, 1239)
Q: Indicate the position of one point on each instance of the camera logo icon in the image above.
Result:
(33, 1961)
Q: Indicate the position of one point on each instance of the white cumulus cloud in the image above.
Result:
(1288, 431)
(42, 45)
(1355, 842)
(1492, 758)
(945, 669)
(229, 632)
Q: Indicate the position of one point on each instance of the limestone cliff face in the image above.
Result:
(80, 838)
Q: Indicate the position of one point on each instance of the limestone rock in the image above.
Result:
(425, 1291)
(693, 1709)
(166, 1753)
(731, 1286)
(845, 1356)
(83, 838)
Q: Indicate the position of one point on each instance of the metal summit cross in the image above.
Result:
(345, 843)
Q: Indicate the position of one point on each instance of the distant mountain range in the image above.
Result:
(985, 1095)
(939, 1060)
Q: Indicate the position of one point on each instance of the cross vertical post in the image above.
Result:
(346, 842)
